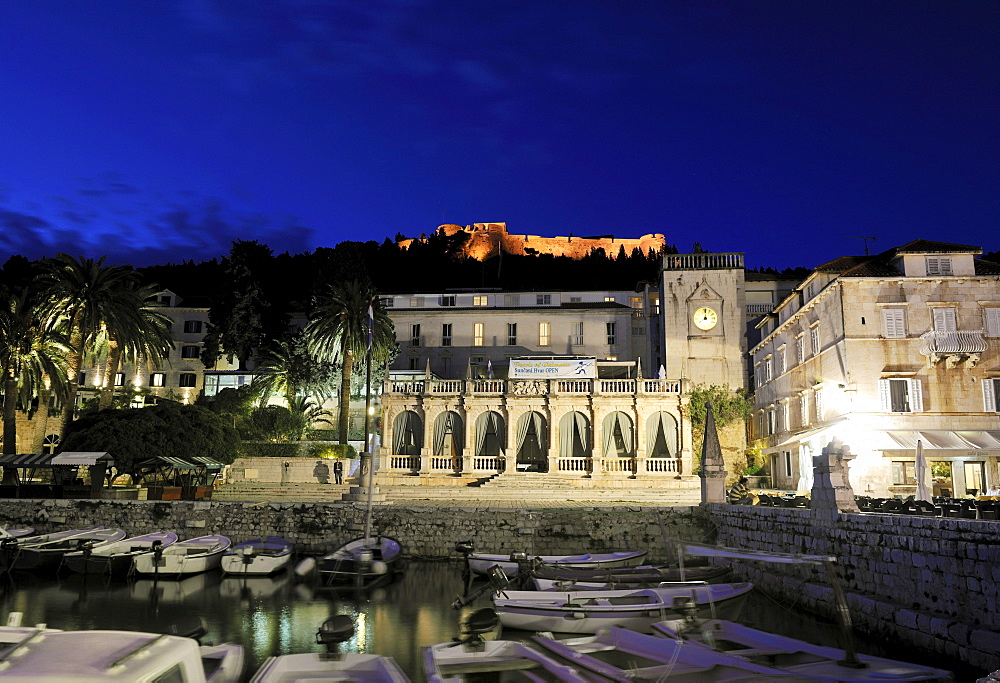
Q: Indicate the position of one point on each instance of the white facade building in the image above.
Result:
(884, 352)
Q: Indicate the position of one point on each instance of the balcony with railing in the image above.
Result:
(953, 347)
(535, 387)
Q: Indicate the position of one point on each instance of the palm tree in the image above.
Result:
(92, 297)
(338, 330)
(33, 359)
(141, 335)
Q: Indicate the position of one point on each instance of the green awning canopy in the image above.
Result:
(207, 462)
(169, 461)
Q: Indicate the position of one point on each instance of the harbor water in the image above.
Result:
(280, 614)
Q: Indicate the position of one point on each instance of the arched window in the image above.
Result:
(50, 444)
(574, 436)
(407, 434)
(619, 438)
(448, 434)
(491, 438)
(532, 441)
(661, 435)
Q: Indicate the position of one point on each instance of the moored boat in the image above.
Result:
(38, 553)
(362, 558)
(184, 557)
(330, 665)
(116, 557)
(257, 556)
(480, 563)
(547, 577)
(589, 611)
(794, 656)
(618, 654)
(15, 532)
(42, 654)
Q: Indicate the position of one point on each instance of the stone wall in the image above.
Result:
(929, 582)
(425, 531)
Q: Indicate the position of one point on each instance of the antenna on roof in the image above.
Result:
(866, 239)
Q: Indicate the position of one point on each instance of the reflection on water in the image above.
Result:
(280, 614)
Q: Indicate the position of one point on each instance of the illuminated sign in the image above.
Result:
(553, 368)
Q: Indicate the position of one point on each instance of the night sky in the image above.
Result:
(158, 132)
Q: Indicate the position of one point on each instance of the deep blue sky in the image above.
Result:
(161, 131)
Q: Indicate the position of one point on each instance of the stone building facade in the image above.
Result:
(885, 352)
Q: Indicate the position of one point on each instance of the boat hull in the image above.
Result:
(591, 611)
(47, 553)
(117, 558)
(257, 557)
(447, 662)
(315, 667)
(186, 557)
(347, 564)
(481, 563)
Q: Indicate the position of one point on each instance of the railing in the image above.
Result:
(616, 386)
(759, 309)
(702, 261)
(661, 386)
(573, 386)
(447, 386)
(663, 465)
(410, 463)
(963, 342)
(618, 465)
(441, 463)
(581, 465)
(415, 387)
(487, 463)
(488, 386)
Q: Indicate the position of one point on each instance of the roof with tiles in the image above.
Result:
(880, 265)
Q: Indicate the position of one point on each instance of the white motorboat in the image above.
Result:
(330, 665)
(362, 558)
(15, 532)
(116, 557)
(642, 576)
(480, 563)
(29, 654)
(47, 551)
(794, 656)
(590, 611)
(184, 557)
(618, 654)
(257, 556)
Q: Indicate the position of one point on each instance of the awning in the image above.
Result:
(944, 439)
(207, 462)
(168, 461)
(82, 458)
(26, 460)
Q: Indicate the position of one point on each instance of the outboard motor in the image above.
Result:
(473, 627)
(465, 548)
(333, 632)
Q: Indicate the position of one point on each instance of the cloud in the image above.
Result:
(18, 229)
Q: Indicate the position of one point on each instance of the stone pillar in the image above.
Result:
(831, 491)
(713, 467)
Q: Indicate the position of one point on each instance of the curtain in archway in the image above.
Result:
(618, 440)
(574, 436)
(490, 434)
(525, 424)
(661, 435)
(448, 426)
(407, 434)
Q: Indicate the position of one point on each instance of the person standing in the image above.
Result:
(338, 472)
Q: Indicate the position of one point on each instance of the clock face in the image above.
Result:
(705, 318)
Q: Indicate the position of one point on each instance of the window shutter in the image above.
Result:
(989, 396)
(894, 323)
(819, 405)
(916, 396)
(884, 396)
(993, 322)
(944, 319)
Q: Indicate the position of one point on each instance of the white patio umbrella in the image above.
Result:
(920, 472)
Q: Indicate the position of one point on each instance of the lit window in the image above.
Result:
(192, 326)
(938, 266)
(611, 333)
(446, 334)
(119, 379)
(635, 302)
(448, 300)
(900, 395)
(511, 334)
(189, 352)
(544, 334)
(543, 299)
(477, 334)
(188, 379)
(479, 300)
(157, 379)
(609, 299)
(415, 335)
(577, 334)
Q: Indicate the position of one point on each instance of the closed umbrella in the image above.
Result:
(921, 473)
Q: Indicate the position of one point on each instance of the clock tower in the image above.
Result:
(703, 308)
